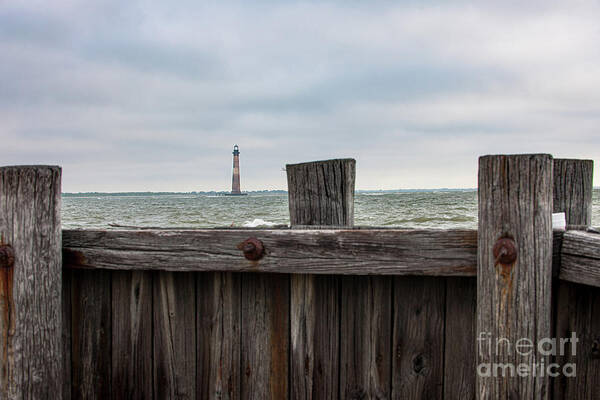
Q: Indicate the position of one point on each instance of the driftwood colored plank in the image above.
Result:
(174, 335)
(578, 310)
(572, 195)
(459, 355)
(91, 334)
(131, 335)
(573, 185)
(361, 252)
(315, 336)
(573, 188)
(31, 363)
(418, 338)
(366, 335)
(320, 193)
(580, 258)
(219, 333)
(265, 336)
(513, 296)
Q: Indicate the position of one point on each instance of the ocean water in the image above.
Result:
(426, 209)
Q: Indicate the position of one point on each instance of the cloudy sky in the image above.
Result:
(134, 96)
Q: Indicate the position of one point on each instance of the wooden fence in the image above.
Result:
(319, 310)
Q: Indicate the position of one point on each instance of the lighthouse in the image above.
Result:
(235, 182)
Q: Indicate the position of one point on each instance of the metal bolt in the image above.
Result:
(253, 249)
(505, 251)
(7, 256)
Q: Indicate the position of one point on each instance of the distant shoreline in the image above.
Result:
(214, 193)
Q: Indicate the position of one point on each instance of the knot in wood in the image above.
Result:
(596, 349)
(505, 251)
(253, 249)
(7, 256)
(419, 364)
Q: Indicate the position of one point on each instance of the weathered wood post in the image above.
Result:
(573, 188)
(320, 193)
(514, 275)
(572, 195)
(30, 286)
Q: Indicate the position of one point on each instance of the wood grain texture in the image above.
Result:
(580, 258)
(557, 239)
(572, 194)
(418, 338)
(366, 335)
(573, 185)
(578, 310)
(91, 334)
(361, 252)
(513, 301)
(219, 335)
(132, 335)
(320, 193)
(67, 277)
(459, 344)
(315, 336)
(573, 188)
(265, 336)
(30, 292)
(174, 335)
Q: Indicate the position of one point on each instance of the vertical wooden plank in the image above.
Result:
(572, 195)
(579, 307)
(459, 357)
(66, 333)
(576, 305)
(418, 339)
(219, 334)
(320, 193)
(91, 334)
(132, 335)
(573, 188)
(265, 336)
(174, 335)
(366, 333)
(513, 295)
(315, 329)
(30, 289)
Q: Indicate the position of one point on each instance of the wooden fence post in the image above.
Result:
(320, 193)
(573, 187)
(514, 275)
(30, 288)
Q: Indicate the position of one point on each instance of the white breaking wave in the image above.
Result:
(258, 222)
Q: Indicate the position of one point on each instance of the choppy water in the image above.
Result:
(454, 209)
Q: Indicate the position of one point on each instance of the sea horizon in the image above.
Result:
(250, 192)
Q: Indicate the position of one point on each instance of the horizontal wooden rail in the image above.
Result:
(580, 258)
(314, 251)
(357, 251)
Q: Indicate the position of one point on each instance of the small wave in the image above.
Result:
(431, 219)
(258, 222)
(442, 219)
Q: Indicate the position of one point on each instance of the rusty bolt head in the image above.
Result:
(7, 256)
(253, 249)
(505, 251)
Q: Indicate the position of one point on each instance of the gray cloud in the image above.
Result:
(144, 96)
